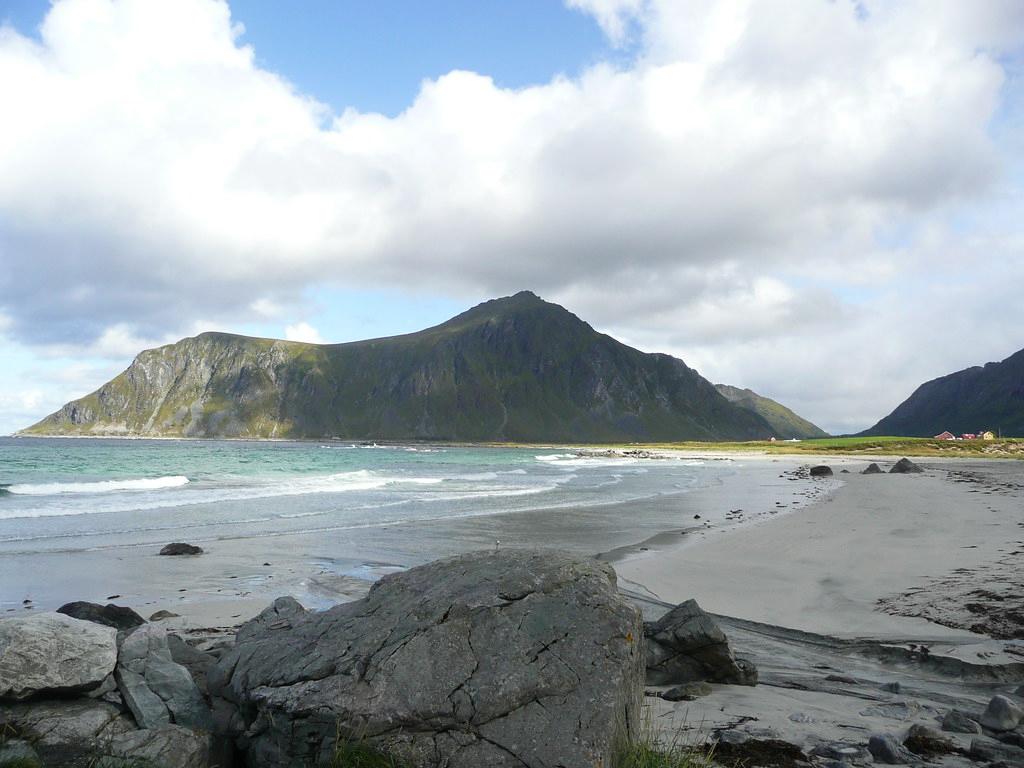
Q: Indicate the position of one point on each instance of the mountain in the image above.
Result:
(989, 397)
(784, 423)
(516, 369)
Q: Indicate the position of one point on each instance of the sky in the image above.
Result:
(821, 200)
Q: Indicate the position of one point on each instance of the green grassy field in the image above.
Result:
(1006, 448)
(904, 446)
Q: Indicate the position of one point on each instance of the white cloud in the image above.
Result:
(614, 16)
(303, 332)
(724, 193)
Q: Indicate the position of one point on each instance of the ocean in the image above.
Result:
(82, 518)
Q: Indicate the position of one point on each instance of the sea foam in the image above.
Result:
(99, 486)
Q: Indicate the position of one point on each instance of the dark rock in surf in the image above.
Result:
(822, 470)
(873, 469)
(181, 548)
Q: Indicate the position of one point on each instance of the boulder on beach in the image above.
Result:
(156, 689)
(109, 615)
(822, 470)
(905, 467)
(50, 653)
(1002, 714)
(873, 469)
(686, 645)
(64, 732)
(181, 548)
(510, 658)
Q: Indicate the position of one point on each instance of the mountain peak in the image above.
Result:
(514, 368)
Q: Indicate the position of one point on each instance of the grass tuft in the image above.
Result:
(359, 754)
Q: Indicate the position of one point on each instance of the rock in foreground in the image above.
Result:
(497, 659)
(51, 653)
(686, 645)
(822, 470)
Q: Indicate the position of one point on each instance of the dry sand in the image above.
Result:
(823, 568)
(804, 595)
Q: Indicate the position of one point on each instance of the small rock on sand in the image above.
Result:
(886, 748)
(927, 742)
(1001, 714)
(873, 469)
(956, 721)
(181, 548)
(161, 615)
(821, 470)
(687, 692)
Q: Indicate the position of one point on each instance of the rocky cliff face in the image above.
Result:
(989, 397)
(517, 368)
(785, 423)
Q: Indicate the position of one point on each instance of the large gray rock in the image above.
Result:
(1001, 714)
(109, 615)
(904, 467)
(50, 653)
(198, 663)
(64, 732)
(169, 747)
(509, 658)
(686, 645)
(156, 689)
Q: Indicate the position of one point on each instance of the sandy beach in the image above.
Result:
(825, 567)
(839, 604)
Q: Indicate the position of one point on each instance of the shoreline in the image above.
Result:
(917, 447)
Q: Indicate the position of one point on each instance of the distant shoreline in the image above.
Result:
(874, 447)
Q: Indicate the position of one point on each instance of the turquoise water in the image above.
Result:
(75, 494)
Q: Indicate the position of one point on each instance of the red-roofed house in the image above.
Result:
(946, 436)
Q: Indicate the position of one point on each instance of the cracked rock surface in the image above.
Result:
(501, 659)
(50, 653)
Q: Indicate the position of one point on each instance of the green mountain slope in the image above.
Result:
(978, 398)
(518, 369)
(784, 423)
